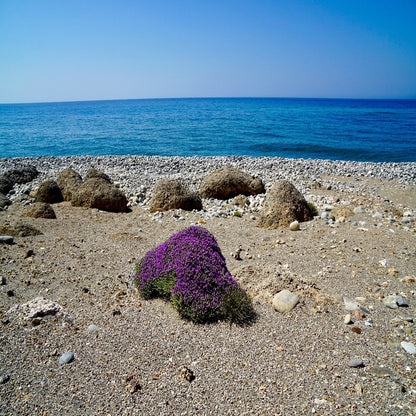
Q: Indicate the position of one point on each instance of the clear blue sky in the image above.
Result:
(59, 50)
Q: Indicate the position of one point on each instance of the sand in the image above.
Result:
(131, 362)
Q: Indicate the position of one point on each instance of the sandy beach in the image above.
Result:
(129, 354)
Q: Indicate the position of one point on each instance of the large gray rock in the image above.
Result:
(284, 204)
(68, 181)
(173, 194)
(95, 173)
(96, 192)
(21, 175)
(40, 210)
(227, 183)
(4, 201)
(5, 185)
(49, 192)
(18, 229)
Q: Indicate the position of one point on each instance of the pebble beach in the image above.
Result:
(345, 349)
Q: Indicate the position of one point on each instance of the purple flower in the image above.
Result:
(190, 269)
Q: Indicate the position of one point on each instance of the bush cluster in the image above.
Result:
(313, 210)
(190, 270)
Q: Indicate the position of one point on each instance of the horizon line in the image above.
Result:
(207, 98)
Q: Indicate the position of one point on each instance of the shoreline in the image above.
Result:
(406, 171)
(137, 175)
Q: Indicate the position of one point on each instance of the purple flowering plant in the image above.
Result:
(190, 270)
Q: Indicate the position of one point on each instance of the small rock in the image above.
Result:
(399, 332)
(39, 307)
(401, 301)
(359, 389)
(66, 358)
(391, 301)
(384, 262)
(350, 305)
(237, 254)
(408, 279)
(347, 319)
(358, 313)
(2, 281)
(93, 329)
(4, 201)
(10, 293)
(408, 347)
(356, 363)
(187, 374)
(133, 385)
(240, 201)
(4, 379)
(6, 239)
(392, 272)
(36, 321)
(285, 301)
(294, 226)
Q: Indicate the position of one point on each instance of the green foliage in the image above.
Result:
(161, 287)
(313, 210)
(238, 306)
(237, 214)
(188, 311)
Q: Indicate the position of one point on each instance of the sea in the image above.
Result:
(336, 129)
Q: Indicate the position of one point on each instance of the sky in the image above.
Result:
(75, 50)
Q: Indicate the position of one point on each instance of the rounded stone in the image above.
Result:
(408, 347)
(6, 239)
(92, 329)
(66, 358)
(359, 210)
(285, 301)
(294, 226)
(391, 301)
(355, 363)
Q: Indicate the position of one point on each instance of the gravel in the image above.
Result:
(136, 357)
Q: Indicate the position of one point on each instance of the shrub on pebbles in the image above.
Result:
(190, 270)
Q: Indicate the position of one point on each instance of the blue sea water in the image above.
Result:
(360, 130)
